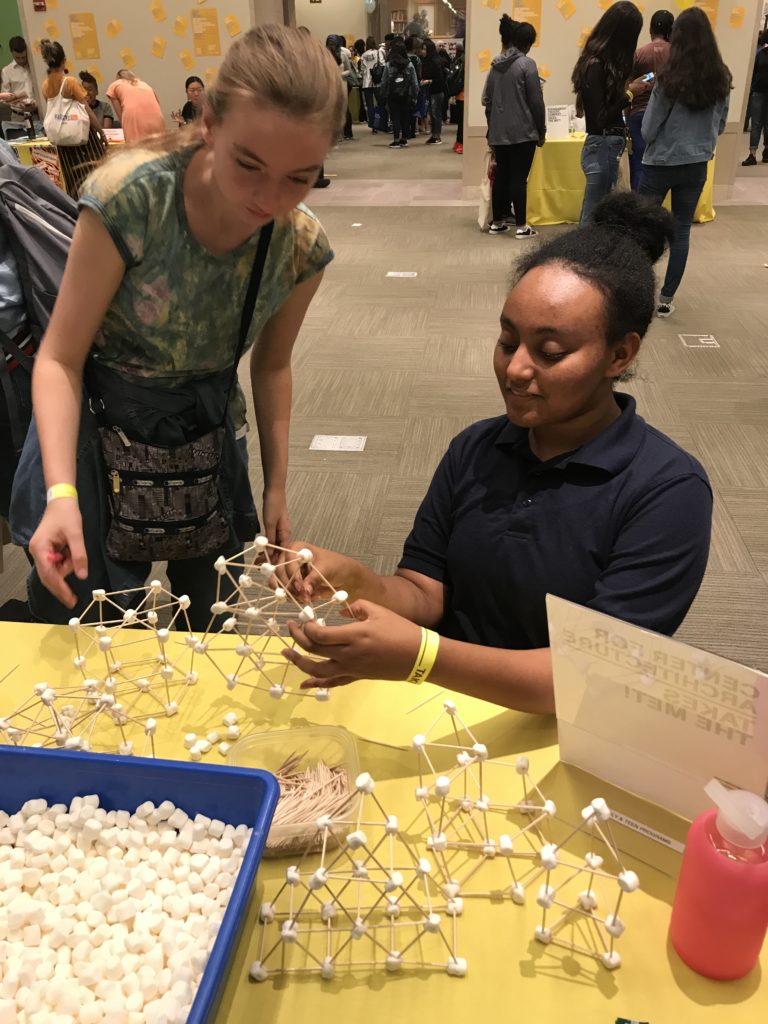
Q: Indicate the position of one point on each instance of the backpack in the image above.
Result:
(66, 121)
(454, 82)
(399, 83)
(377, 73)
(37, 220)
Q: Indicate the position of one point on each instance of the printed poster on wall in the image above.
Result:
(85, 42)
(205, 32)
(710, 9)
(529, 11)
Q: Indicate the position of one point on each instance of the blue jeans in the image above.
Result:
(436, 113)
(600, 163)
(638, 148)
(685, 182)
(758, 116)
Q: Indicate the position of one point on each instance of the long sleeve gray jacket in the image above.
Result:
(513, 100)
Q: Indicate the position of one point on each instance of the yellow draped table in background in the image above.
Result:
(509, 974)
(556, 184)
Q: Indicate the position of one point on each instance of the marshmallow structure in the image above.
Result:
(109, 916)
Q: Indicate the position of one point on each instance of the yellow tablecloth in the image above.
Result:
(43, 154)
(509, 973)
(556, 184)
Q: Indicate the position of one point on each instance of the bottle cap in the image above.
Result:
(742, 817)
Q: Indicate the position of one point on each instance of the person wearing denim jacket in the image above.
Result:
(681, 137)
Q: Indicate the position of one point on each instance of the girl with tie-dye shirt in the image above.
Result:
(152, 297)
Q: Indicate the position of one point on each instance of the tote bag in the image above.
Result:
(66, 121)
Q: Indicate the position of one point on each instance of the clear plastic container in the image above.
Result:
(328, 744)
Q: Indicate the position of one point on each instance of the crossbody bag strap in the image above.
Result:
(249, 305)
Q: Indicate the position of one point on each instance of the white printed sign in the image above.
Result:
(558, 121)
(651, 714)
(699, 340)
(337, 443)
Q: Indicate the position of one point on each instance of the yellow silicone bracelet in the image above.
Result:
(430, 645)
(61, 491)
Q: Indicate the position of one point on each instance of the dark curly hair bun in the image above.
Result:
(645, 222)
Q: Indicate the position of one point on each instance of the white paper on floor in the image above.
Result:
(337, 443)
(402, 273)
(357, 225)
(699, 340)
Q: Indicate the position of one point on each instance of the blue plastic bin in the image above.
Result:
(234, 795)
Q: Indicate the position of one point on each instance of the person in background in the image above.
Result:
(370, 59)
(568, 492)
(686, 114)
(193, 108)
(355, 93)
(445, 58)
(137, 106)
(341, 55)
(105, 115)
(76, 161)
(399, 87)
(433, 75)
(458, 69)
(412, 45)
(649, 60)
(16, 81)
(600, 80)
(758, 103)
(514, 109)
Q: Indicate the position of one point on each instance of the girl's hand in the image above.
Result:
(276, 523)
(58, 548)
(176, 116)
(639, 86)
(378, 645)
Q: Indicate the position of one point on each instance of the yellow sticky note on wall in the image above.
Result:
(567, 8)
(158, 11)
(187, 60)
(113, 28)
(52, 29)
(93, 69)
(209, 75)
(126, 56)
(736, 19)
(604, 4)
(544, 71)
(493, 4)
(53, 4)
(180, 25)
(484, 58)
(232, 25)
(158, 47)
(585, 34)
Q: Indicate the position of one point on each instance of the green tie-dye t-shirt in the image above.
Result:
(176, 314)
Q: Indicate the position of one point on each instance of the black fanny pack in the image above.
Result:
(165, 500)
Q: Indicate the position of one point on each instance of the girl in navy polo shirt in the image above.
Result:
(569, 493)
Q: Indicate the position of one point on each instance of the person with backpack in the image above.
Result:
(371, 67)
(455, 88)
(189, 249)
(64, 94)
(399, 87)
(412, 45)
(433, 76)
(514, 107)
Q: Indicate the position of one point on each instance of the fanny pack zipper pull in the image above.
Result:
(122, 437)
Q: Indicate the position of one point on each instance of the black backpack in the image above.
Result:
(399, 82)
(454, 82)
(377, 73)
(37, 219)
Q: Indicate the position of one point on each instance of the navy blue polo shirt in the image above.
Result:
(620, 525)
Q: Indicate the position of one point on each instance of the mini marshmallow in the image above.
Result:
(223, 749)
(189, 740)
(322, 694)
(456, 967)
(230, 718)
(364, 783)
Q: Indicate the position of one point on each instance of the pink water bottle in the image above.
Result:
(720, 913)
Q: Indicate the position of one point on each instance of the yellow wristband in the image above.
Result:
(425, 662)
(630, 95)
(61, 491)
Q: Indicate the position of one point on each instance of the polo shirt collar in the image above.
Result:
(612, 450)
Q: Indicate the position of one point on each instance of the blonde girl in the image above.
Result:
(150, 307)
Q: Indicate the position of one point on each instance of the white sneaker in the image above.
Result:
(526, 232)
(665, 309)
(498, 229)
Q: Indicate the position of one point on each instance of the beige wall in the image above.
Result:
(138, 30)
(558, 49)
(333, 16)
